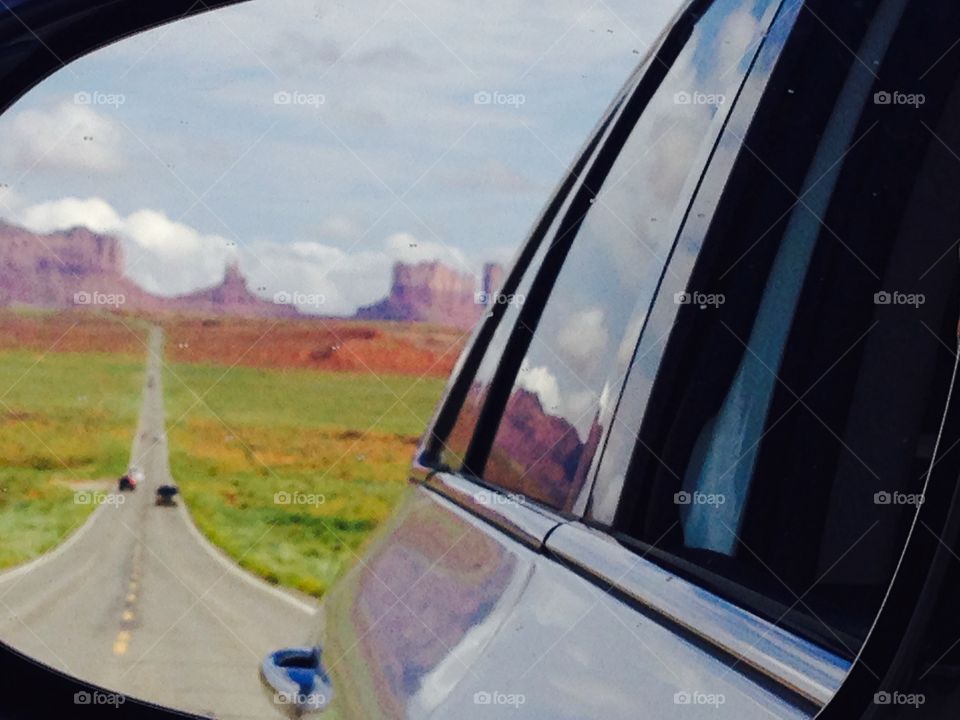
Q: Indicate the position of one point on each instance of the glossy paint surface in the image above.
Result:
(464, 609)
(449, 618)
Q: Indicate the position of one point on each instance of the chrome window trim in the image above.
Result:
(512, 514)
(792, 662)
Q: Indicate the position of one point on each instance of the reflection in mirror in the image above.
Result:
(239, 255)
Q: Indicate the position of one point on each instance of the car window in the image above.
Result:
(795, 406)
(549, 432)
(453, 448)
(470, 386)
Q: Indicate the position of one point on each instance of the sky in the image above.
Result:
(317, 143)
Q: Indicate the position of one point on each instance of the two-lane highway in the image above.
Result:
(138, 602)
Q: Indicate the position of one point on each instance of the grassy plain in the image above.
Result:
(290, 440)
(69, 398)
(289, 469)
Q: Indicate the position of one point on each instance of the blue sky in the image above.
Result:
(319, 142)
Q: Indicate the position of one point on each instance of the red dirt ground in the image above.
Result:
(73, 331)
(333, 345)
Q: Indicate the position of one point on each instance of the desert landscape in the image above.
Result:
(263, 402)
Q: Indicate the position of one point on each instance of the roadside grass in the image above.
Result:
(290, 471)
(65, 417)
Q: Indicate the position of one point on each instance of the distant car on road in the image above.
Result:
(130, 479)
(166, 495)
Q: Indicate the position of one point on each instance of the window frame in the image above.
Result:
(700, 223)
(594, 160)
(704, 221)
(646, 86)
(618, 126)
(458, 386)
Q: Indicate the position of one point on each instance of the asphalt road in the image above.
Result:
(138, 602)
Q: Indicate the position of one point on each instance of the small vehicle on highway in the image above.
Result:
(130, 479)
(166, 495)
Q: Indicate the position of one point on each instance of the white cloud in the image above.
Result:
(92, 213)
(69, 136)
(168, 257)
(570, 403)
(541, 381)
(163, 256)
(582, 338)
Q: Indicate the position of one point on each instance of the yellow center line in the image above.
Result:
(120, 644)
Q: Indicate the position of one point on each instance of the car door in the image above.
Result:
(783, 439)
(473, 603)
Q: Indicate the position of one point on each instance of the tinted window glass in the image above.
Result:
(505, 305)
(588, 329)
(794, 413)
(454, 448)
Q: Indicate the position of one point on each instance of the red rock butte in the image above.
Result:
(431, 292)
(62, 269)
(73, 267)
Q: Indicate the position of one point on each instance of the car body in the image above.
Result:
(166, 495)
(696, 468)
(130, 479)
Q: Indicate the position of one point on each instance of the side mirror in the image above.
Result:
(294, 678)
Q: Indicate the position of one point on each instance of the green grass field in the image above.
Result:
(65, 418)
(289, 471)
